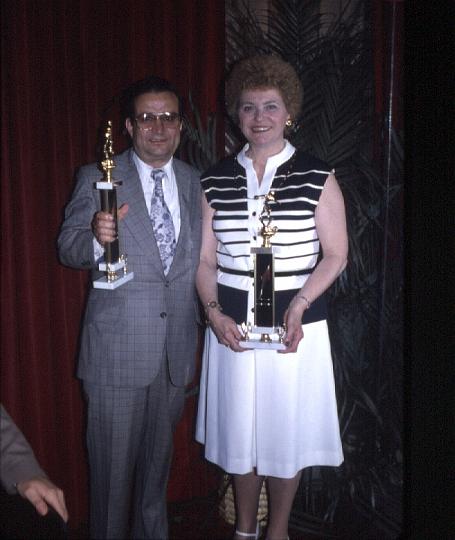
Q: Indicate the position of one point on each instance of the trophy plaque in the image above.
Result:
(265, 333)
(114, 265)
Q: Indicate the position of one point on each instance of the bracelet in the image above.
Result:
(211, 304)
(308, 303)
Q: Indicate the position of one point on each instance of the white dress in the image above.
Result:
(275, 413)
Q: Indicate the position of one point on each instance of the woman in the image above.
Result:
(264, 413)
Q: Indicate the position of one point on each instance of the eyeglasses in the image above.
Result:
(148, 120)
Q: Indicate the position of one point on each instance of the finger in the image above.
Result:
(122, 211)
(105, 238)
(104, 216)
(32, 492)
(56, 499)
(238, 348)
(41, 507)
(292, 339)
(104, 230)
(105, 224)
(236, 334)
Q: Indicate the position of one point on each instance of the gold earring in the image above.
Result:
(288, 122)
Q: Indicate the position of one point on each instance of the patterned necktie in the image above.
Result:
(163, 226)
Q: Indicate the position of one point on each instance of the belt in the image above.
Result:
(250, 273)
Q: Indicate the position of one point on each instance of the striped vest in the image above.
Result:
(298, 184)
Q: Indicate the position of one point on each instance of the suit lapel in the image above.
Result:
(183, 186)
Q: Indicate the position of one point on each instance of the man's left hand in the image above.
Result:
(41, 492)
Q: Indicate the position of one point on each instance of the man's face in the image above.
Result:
(156, 144)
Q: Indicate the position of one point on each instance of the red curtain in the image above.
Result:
(63, 64)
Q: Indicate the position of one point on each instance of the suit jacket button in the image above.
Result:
(166, 284)
(163, 314)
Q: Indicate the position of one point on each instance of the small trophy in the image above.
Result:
(113, 261)
(271, 334)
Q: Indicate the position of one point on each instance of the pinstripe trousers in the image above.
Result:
(129, 441)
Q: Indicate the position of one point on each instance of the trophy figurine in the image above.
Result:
(269, 334)
(114, 264)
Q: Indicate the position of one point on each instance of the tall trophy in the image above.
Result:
(265, 333)
(114, 265)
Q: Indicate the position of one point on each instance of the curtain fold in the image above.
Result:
(64, 64)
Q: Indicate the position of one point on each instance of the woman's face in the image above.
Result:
(262, 118)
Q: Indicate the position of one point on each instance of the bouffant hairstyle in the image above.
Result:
(264, 72)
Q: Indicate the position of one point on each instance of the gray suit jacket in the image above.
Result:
(17, 460)
(127, 331)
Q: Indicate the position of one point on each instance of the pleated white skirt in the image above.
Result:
(273, 412)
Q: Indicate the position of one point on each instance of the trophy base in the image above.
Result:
(104, 267)
(258, 344)
(264, 337)
(103, 282)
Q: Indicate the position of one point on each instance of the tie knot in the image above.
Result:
(158, 175)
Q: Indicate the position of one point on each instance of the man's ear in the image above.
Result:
(129, 127)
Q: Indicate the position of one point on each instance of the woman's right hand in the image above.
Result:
(226, 330)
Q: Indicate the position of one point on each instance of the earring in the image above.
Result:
(288, 122)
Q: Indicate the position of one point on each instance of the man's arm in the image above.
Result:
(75, 241)
(20, 471)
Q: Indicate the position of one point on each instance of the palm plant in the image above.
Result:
(198, 144)
(332, 55)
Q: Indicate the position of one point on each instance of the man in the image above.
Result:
(138, 341)
(20, 471)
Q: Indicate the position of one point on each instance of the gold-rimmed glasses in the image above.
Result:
(148, 120)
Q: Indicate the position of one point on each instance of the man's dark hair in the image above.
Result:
(150, 84)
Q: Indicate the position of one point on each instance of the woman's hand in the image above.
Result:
(293, 322)
(225, 330)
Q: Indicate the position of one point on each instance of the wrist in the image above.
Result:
(302, 300)
(211, 307)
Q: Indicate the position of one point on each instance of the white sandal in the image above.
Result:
(254, 535)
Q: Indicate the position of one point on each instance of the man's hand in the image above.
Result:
(41, 492)
(103, 225)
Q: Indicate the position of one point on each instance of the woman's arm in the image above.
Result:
(224, 327)
(330, 219)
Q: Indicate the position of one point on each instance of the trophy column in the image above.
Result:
(271, 334)
(114, 265)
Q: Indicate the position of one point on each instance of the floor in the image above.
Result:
(197, 519)
(201, 520)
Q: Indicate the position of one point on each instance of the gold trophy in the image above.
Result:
(113, 261)
(269, 334)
